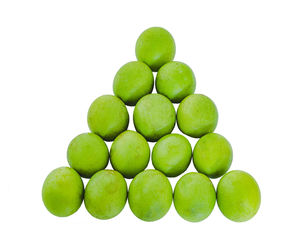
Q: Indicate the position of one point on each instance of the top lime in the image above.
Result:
(133, 81)
(155, 47)
(197, 115)
(108, 117)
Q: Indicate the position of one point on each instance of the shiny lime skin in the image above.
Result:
(154, 116)
(150, 195)
(63, 191)
(194, 197)
(129, 153)
(197, 115)
(238, 196)
(105, 194)
(133, 81)
(175, 80)
(155, 47)
(108, 117)
(212, 155)
(87, 154)
(172, 154)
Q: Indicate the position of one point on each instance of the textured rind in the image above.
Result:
(194, 197)
(108, 117)
(105, 194)
(150, 195)
(197, 115)
(154, 116)
(62, 192)
(175, 80)
(212, 155)
(133, 81)
(172, 154)
(238, 196)
(87, 153)
(155, 47)
(130, 153)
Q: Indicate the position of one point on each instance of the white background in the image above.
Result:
(57, 56)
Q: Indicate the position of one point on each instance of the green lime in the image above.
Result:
(238, 196)
(87, 154)
(62, 191)
(129, 153)
(155, 47)
(172, 155)
(150, 195)
(105, 194)
(108, 117)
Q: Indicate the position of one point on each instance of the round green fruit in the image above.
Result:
(62, 191)
(154, 116)
(133, 81)
(105, 194)
(197, 115)
(108, 117)
(238, 196)
(194, 197)
(129, 154)
(212, 155)
(150, 195)
(87, 154)
(172, 155)
(155, 47)
(175, 80)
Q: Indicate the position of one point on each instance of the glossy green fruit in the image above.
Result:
(238, 196)
(62, 191)
(194, 197)
(172, 155)
(87, 154)
(129, 153)
(150, 195)
(105, 194)
(154, 116)
(155, 47)
(133, 81)
(197, 115)
(175, 80)
(212, 155)
(108, 117)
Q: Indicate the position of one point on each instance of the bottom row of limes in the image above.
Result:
(150, 195)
